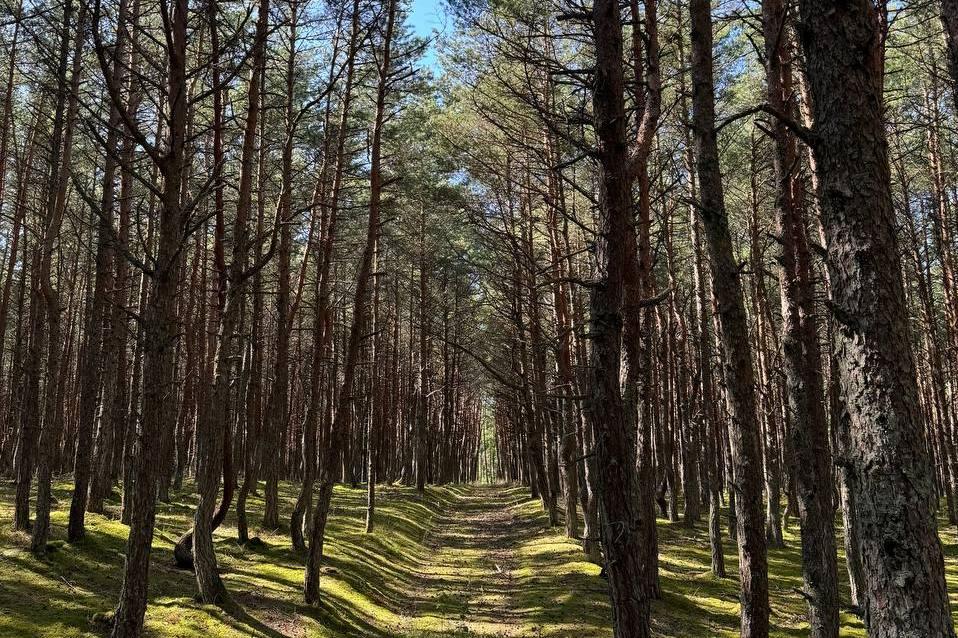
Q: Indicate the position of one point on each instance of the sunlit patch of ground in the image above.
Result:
(459, 561)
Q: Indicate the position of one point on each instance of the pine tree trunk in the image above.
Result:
(744, 430)
(949, 20)
(808, 441)
(344, 401)
(89, 374)
(57, 203)
(159, 340)
(278, 411)
(905, 592)
(6, 120)
(622, 520)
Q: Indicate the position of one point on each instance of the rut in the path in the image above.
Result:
(469, 586)
(461, 561)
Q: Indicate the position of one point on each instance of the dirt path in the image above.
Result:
(471, 585)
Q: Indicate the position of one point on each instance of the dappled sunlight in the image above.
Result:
(456, 561)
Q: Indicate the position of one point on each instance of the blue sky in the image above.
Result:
(424, 17)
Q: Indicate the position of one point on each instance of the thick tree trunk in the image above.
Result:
(905, 591)
(159, 341)
(623, 519)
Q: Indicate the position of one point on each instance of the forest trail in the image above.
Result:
(268, 267)
(458, 561)
(471, 585)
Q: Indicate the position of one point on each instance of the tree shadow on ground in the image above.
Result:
(456, 561)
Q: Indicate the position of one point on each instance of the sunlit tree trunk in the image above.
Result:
(905, 592)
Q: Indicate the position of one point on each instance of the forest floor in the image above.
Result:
(460, 561)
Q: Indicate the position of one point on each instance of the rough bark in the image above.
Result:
(808, 436)
(744, 429)
(89, 374)
(60, 167)
(159, 340)
(905, 592)
(621, 516)
(949, 20)
(248, 168)
(360, 299)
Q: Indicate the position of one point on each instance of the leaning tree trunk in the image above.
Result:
(344, 401)
(744, 430)
(905, 591)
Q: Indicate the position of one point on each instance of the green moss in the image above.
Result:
(457, 561)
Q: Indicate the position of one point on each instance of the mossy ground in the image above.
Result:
(459, 561)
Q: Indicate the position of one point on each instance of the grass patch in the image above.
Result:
(457, 561)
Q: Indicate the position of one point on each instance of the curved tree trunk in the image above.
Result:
(360, 298)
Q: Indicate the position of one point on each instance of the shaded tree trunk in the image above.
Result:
(808, 436)
(159, 338)
(621, 516)
(345, 398)
(905, 592)
(744, 430)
